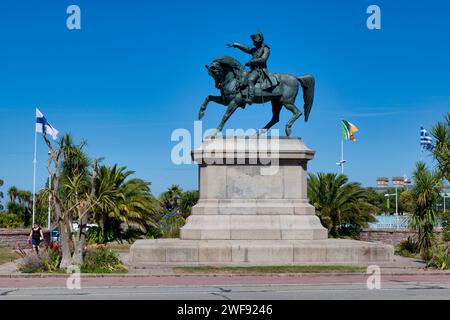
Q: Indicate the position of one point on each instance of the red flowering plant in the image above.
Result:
(52, 256)
(55, 246)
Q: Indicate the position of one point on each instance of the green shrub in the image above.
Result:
(408, 248)
(9, 220)
(446, 226)
(349, 231)
(440, 258)
(102, 260)
(51, 257)
(31, 263)
(132, 234)
(94, 235)
(154, 233)
(170, 224)
(48, 260)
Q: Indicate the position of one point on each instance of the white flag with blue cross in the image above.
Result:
(43, 126)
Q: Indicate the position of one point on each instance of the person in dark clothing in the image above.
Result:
(36, 236)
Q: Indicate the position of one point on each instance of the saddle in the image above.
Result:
(266, 81)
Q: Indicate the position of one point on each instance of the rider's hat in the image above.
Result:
(257, 35)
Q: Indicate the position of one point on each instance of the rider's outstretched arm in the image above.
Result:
(242, 47)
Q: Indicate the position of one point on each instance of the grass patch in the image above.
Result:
(116, 269)
(116, 246)
(119, 247)
(272, 269)
(7, 255)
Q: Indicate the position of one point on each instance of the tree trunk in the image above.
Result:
(80, 242)
(105, 231)
(65, 234)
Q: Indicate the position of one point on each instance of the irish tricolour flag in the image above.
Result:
(348, 130)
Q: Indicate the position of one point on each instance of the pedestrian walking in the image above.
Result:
(36, 236)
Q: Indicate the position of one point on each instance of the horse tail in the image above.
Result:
(307, 83)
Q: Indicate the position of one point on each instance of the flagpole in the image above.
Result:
(34, 174)
(342, 156)
(49, 219)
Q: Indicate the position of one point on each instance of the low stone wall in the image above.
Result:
(13, 238)
(389, 236)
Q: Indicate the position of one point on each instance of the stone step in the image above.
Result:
(253, 207)
(172, 252)
(250, 227)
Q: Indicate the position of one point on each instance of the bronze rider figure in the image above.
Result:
(258, 64)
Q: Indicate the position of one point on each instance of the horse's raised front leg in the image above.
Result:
(216, 99)
(296, 114)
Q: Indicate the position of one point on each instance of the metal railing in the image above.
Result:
(390, 222)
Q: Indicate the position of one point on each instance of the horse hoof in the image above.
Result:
(213, 135)
(261, 132)
(288, 131)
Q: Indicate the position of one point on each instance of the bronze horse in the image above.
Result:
(227, 73)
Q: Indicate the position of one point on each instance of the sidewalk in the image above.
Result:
(9, 271)
(400, 266)
(8, 268)
(217, 280)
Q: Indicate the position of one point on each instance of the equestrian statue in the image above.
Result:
(240, 87)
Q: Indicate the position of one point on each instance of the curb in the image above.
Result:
(213, 275)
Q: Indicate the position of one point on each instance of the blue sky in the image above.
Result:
(135, 72)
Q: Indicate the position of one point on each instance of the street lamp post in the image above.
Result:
(444, 195)
(49, 224)
(396, 201)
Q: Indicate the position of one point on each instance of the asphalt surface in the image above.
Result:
(304, 287)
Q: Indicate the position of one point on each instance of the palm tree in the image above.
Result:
(12, 193)
(76, 161)
(171, 198)
(119, 200)
(338, 202)
(424, 216)
(187, 201)
(20, 203)
(441, 151)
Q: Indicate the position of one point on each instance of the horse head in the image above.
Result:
(221, 67)
(216, 71)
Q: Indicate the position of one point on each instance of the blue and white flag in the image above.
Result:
(42, 125)
(426, 142)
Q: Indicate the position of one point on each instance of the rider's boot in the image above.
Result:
(251, 94)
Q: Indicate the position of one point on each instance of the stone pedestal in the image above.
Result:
(253, 189)
(253, 209)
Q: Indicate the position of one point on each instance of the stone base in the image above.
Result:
(241, 199)
(173, 252)
(251, 227)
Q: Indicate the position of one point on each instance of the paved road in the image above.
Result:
(229, 288)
